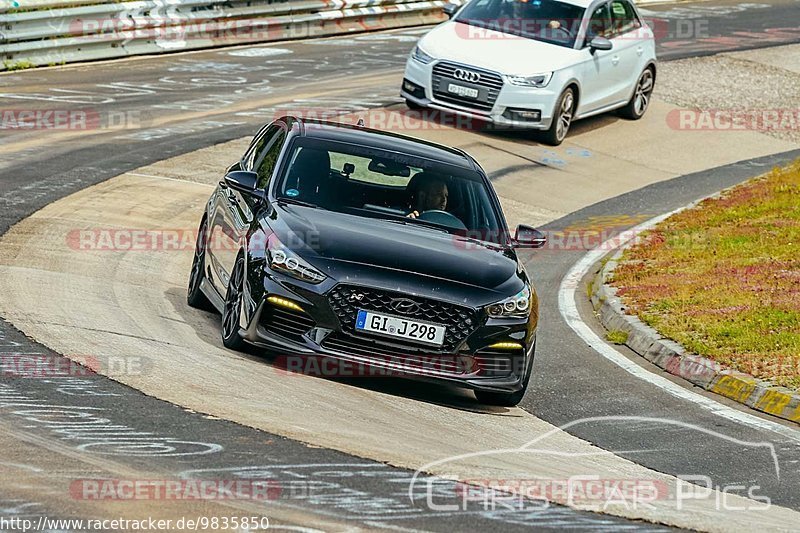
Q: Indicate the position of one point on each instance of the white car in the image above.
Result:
(536, 64)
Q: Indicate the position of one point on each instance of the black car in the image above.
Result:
(357, 246)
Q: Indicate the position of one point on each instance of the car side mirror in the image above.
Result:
(528, 237)
(600, 43)
(243, 181)
(450, 9)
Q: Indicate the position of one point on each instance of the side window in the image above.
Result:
(247, 158)
(623, 17)
(265, 153)
(599, 24)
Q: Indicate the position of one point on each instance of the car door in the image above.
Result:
(628, 38)
(233, 212)
(599, 86)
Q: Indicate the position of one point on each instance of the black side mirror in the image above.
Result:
(450, 9)
(600, 43)
(528, 237)
(243, 181)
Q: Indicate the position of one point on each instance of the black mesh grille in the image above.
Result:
(411, 361)
(460, 321)
(286, 323)
(444, 72)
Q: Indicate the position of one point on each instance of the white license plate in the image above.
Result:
(394, 326)
(460, 90)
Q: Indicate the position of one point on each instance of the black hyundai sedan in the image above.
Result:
(373, 249)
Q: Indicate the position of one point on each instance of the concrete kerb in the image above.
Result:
(673, 358)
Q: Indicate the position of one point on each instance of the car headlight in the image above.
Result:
(285, 261)
(421, 56)
(518, 305)
(537, 80)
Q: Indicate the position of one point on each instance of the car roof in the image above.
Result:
(384, 140)
(579, 3)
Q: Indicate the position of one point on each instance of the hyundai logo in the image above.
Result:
(405, 306)
(467, 75)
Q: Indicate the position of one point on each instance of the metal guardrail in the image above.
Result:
(58, 31)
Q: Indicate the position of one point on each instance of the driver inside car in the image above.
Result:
(427, 195)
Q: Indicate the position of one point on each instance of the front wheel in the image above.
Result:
(194, 295)
(508, 399)
(502, 399)
(640, 101)
(562, 118)
(232, 312)
(413, 105)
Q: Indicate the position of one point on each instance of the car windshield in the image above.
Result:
(403, 188)
(542, 20)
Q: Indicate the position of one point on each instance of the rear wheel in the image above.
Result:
(562, 118)
(194, 296)
(232, 312)
(640, 101)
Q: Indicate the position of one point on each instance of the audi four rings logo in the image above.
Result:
(467, 75)
(405, 306)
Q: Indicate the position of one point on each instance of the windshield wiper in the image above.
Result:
(298, 202)
(417, 222)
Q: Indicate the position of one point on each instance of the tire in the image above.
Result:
(231, 313)
(562, 119)
(194, 295)
(501, 399)
(508, 399)
(413, 105)
(640, 101)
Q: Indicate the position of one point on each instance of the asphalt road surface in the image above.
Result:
(150, 109)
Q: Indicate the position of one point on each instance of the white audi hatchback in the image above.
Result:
(537, 64)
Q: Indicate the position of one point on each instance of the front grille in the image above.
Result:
(286, 323)
(444, 72)
(410, 361)
(460, 321)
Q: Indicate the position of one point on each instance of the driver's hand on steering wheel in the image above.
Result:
(413, 214)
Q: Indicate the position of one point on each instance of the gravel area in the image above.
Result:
(760, 87)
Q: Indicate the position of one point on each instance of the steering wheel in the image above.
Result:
(438, 216)
(565, 30)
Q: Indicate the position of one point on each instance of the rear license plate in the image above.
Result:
(460, 90)
(401, 328)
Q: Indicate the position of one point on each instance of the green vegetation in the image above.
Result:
(17, 65)
(617, 336)
(723, 279)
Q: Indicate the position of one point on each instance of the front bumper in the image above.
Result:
(315, 341)
(510, 100)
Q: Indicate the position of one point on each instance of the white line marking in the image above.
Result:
(166, 178)
(567, 293)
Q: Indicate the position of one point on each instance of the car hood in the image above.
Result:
(495, 51)
(330, 241)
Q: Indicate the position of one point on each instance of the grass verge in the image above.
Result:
(723, 279)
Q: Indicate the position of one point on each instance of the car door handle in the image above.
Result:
(615, 60)
(639, 51)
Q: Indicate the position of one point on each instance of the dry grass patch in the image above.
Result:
(723, 279)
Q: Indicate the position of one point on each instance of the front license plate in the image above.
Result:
(460, 90)
(393, 326)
